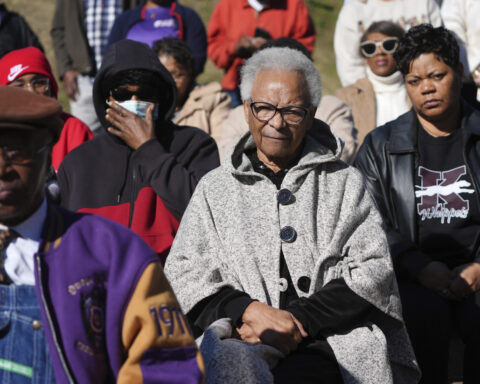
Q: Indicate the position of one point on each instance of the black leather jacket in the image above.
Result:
(388, 159)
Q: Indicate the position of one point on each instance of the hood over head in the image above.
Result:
(127, 55)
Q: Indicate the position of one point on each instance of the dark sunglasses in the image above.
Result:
(143, 93)
(369, 48)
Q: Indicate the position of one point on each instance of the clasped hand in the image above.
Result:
(275, 327)
(128, 126)
(453, 284)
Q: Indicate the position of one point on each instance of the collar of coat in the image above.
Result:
(403, 138)
(321, 146)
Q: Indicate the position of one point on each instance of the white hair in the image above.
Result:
(283, 59)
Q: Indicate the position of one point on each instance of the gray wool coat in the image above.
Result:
(230, 236)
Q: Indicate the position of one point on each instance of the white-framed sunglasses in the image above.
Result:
(369, 48)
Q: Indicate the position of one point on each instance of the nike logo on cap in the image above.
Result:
(15, 71)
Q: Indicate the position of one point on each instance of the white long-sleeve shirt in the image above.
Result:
(463, 18)
(357, 15)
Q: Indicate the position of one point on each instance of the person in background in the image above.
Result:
(79, 32)
(461, 17)
(380, 96)
(238, 28)
(15, 33)
(144, 169)
(422, 170)
(158, 19)
(357, 15)
(28, 68)
(284, 241)
(331, 110)
(201, 106)
(83, 299)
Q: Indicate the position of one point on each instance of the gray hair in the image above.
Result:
(284, 59)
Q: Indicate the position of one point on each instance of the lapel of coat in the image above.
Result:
(402, 157)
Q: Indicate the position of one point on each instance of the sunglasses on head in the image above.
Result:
(143, 93)
(369, 48)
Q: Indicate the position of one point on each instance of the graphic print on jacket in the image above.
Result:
(146, 189)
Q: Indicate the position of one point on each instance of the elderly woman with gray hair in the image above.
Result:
(285, 242)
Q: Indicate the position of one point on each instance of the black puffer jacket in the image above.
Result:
(147, 189)
(387, 159)
(15, 33)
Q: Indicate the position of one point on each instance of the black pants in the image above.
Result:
(311, 363)
(431, 320)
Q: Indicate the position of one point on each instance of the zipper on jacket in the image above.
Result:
(61, 356)
(472, 176)
(475, 184)
(132, 196)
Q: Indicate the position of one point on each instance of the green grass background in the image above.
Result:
(39, 13)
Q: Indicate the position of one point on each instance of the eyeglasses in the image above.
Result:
(143, 93)
(21, 155)
(291, 114)
(40, 85)
(369, 48)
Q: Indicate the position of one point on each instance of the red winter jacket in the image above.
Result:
(74, 133)
(232, 19)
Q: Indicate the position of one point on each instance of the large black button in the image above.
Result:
(284, 197)
(304, 283)
(288, 234)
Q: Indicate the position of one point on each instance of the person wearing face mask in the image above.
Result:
(380, 96)
(28, 68)
(142, 171)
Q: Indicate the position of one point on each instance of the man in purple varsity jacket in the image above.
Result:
(82, 299)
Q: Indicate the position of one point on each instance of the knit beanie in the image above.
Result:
(25, 61)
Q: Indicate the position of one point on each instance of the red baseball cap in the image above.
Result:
(25, 61)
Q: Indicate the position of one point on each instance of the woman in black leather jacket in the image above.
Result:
(423, 171)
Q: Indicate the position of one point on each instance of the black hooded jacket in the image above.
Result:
(15, 33)
(147, 189)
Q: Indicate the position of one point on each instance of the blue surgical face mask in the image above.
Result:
(139, 107)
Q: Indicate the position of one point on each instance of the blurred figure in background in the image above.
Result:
(331, 110)
(423, 171)
(238, 28)
(15, 33)
(462, 18)
(158, 19)
(28, 68)
(202, 106)
(79, 32)
(357, 15)
(380, 96)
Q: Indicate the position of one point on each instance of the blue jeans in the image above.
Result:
(24, 356)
